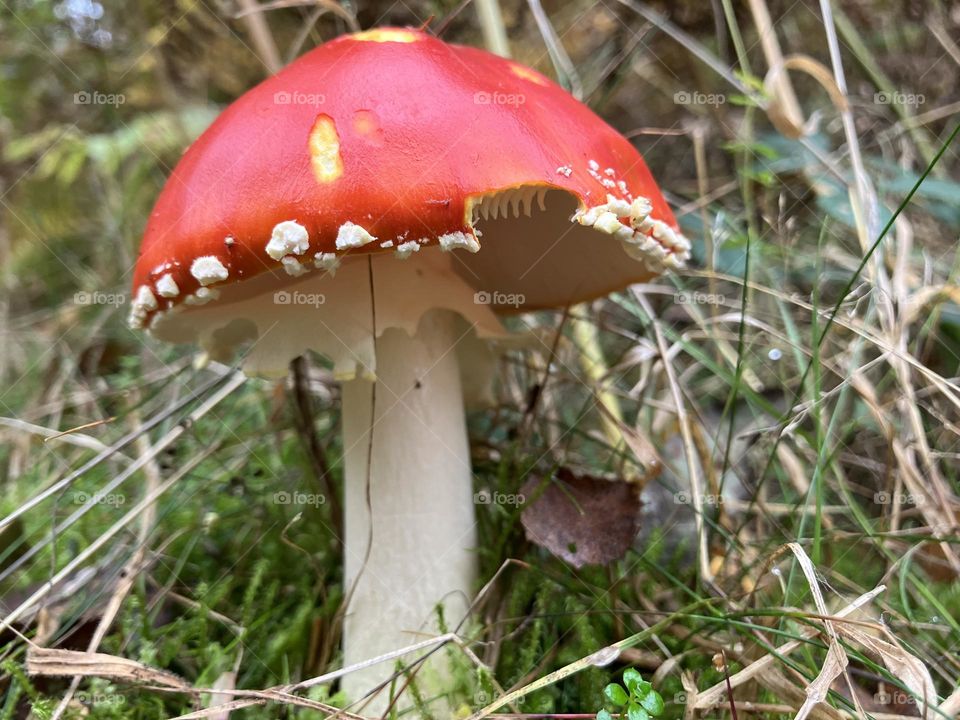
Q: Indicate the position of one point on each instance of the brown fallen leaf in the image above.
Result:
(583, 520)
(909, 669)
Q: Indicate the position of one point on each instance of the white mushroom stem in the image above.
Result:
(410, 529)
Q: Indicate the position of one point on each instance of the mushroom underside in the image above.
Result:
(405, 337)
(532, 256)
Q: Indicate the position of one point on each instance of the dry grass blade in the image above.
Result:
(262, 697)
(226, 682)
(644, 452)
(561, 61)
(90, 550)
(256, 23)
(600, 658)
(233, 381)
(71, 437)
(53, 662)
(784, 105)
(167, 440)
(836, 661)
(693, 463)
(330, 6)
(127, 576)
(715, 695)
(778, 114)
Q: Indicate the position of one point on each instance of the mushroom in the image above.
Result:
(382, 201)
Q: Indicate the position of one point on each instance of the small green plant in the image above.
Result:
(638, 697)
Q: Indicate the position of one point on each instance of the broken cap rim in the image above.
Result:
(334, 156)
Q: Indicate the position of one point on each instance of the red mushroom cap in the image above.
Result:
(388, 140)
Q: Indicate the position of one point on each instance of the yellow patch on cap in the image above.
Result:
(324, 146)
(381, 35)
(365, 122)
(528, 74)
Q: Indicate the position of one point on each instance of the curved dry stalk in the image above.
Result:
(689, 446)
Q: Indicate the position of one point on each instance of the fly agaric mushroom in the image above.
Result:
(381, 201)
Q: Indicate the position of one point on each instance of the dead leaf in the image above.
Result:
(583, 520)
(907, 668)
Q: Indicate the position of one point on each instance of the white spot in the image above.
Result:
(607, 183)
(647, 239)
(565, 170)
(228, 241)
(775, 354)
(145, 299)
(387, 244)
(405, 250)
(610, 172)
(143, 302)
(608, 223)
(292, 266)
(167, 286)
(202, 296)
(288, 238)
(351, 235)
(623, 188)
(327, 261)
(208, 269)
(454, 240)
(640, 208)
(593, 165)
